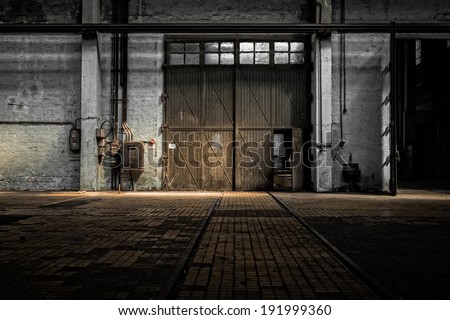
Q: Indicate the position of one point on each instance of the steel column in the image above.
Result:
(393, 113)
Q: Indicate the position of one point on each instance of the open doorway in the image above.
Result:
(423, 113)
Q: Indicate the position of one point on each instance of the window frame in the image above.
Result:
(237, 41)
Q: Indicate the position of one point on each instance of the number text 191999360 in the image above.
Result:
(302, 310)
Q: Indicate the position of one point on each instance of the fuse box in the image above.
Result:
(133, 155)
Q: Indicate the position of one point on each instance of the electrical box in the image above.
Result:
(101, 141)
(75, 139)
(133, 155)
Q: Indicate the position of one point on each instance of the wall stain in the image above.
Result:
(29, 93)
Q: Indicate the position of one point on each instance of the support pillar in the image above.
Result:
(322, 104)
(90, 99)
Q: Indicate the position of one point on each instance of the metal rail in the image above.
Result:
(173, 285)
(371, 281)
(212, 28)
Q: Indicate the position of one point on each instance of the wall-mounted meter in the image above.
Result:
(75, 139)
(101, 141)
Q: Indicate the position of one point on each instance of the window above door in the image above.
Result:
(224, 53)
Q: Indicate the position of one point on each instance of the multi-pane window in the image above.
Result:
(214, 53)
(184, 54)
(289, 53)
(263, 52)
(254, 53)
(219, 53)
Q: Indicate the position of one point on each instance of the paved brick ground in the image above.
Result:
(95, 245)
(72, 245)
(402, 241)
(254, 249)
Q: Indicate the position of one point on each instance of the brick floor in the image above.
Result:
(72, 245)
(95, 245)
(403, 241)
(254, 249)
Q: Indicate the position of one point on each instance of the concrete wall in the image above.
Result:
(366, 122)
(365, 103)
(145, 116)
(389, 10)
(211, 10)
(39, 83)
(40, 87)
(145, 109)
(40, 11)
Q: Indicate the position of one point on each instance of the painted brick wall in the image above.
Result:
(39, 82)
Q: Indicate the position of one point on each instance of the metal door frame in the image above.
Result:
(393, 183)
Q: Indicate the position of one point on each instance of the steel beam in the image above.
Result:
(213, 28)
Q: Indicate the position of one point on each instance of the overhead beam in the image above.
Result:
(211, 28)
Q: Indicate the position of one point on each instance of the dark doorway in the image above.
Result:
(424, 113)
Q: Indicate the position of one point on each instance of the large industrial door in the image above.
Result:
(199, 114)
(223, 100)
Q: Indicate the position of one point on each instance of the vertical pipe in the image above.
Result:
(113, 108)
(125, 84)
(116, 82)
(235, 128)
(342, 80)
(393, 113)
(307, 123)
(319, 86)
(123, 19)
(114, 91)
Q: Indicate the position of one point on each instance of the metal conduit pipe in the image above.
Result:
(124, 74)
(318, 55)
(318, 18)
(342, 76)
(319, 89)
(119, 66)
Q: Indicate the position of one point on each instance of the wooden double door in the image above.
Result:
(220, 122)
